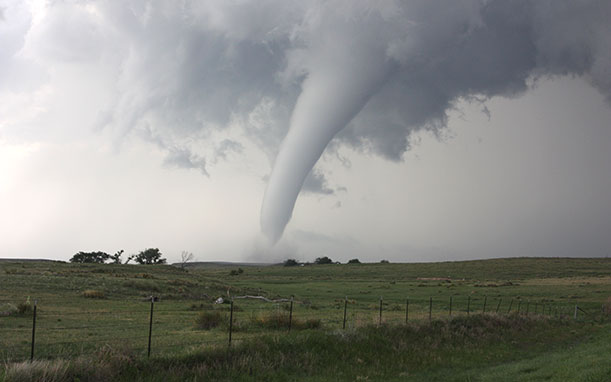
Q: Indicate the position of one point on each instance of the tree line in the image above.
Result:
(147, 256)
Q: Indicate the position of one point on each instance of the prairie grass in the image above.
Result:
(93, 293)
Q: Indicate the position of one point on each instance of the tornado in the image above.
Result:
(332, 94)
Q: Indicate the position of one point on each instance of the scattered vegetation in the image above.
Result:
(90, 257)
(149, 256)
(93, 293)
(208, 319)
(235, 272)
(354, 261)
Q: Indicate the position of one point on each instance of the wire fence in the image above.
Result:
(152, 328)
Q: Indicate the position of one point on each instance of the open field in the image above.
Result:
(85, 309)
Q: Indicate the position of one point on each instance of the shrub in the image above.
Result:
(354, 261)
(323, 260)
(290, 263)
(384, 262)
(208, 319)
(92, 293)
(280, 320)
(7, 309)
(90, 257)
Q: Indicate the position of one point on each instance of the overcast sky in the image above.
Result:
(448, 130)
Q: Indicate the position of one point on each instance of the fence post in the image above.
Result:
(148, 354)
(543, 310)
(406, 310)
(468, 305)
(485, 300)
(450, 306)
(291, 314)
(345, 308)
(519, 304)
(510, 304)
(498, 305)
(380, 323)
(527, 306)
(230, 321)
(574, 314)
(430, 308)
(33, 331)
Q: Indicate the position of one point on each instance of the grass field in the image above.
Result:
(102, 312)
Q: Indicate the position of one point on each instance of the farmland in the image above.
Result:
(85, 311)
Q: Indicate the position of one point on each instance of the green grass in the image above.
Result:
(83, 309)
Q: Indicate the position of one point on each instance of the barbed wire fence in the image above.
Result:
(151, 328)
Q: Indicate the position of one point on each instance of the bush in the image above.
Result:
(280, 320)
(290, 263)
(7, 309)
(354, 261)
(92, 293)
(90, 257)
(384, 262)
(208, 319)
(149, 256)
(323, 260)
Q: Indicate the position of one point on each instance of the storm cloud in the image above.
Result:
(290, 76)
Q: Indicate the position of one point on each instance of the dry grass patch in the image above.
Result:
(92, 293)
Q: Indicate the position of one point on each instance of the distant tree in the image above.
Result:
(149, 256)
(116, 258)
(235, 272)
(354, 261)
(384, 261)
(90, 257)
(185, 257)
(290, 263)
(323, 260)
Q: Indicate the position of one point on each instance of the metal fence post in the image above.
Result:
(33, 331)
(450, 306)
(574, 314)
(485, 300)
(510, 305)
(498, 305)
(291, 314)
(406, 310)
(380, 322)
(230, 321)
(148, 354)
(345, 308)
(519, 304)
(468, 305)
(430, 308)
(527, 306)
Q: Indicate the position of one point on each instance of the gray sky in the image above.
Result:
(475, 130)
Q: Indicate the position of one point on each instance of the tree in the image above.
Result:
(90, 257)
(384, 261)
(185, 257)
(354, 261)
(116, 258)
(323, 260)
(290, 263)
(149, 256)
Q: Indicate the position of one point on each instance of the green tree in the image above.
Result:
(90, 257)
(354, 261)
(149, 256)
(323, 260)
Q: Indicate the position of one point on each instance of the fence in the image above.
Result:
(152, 328)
